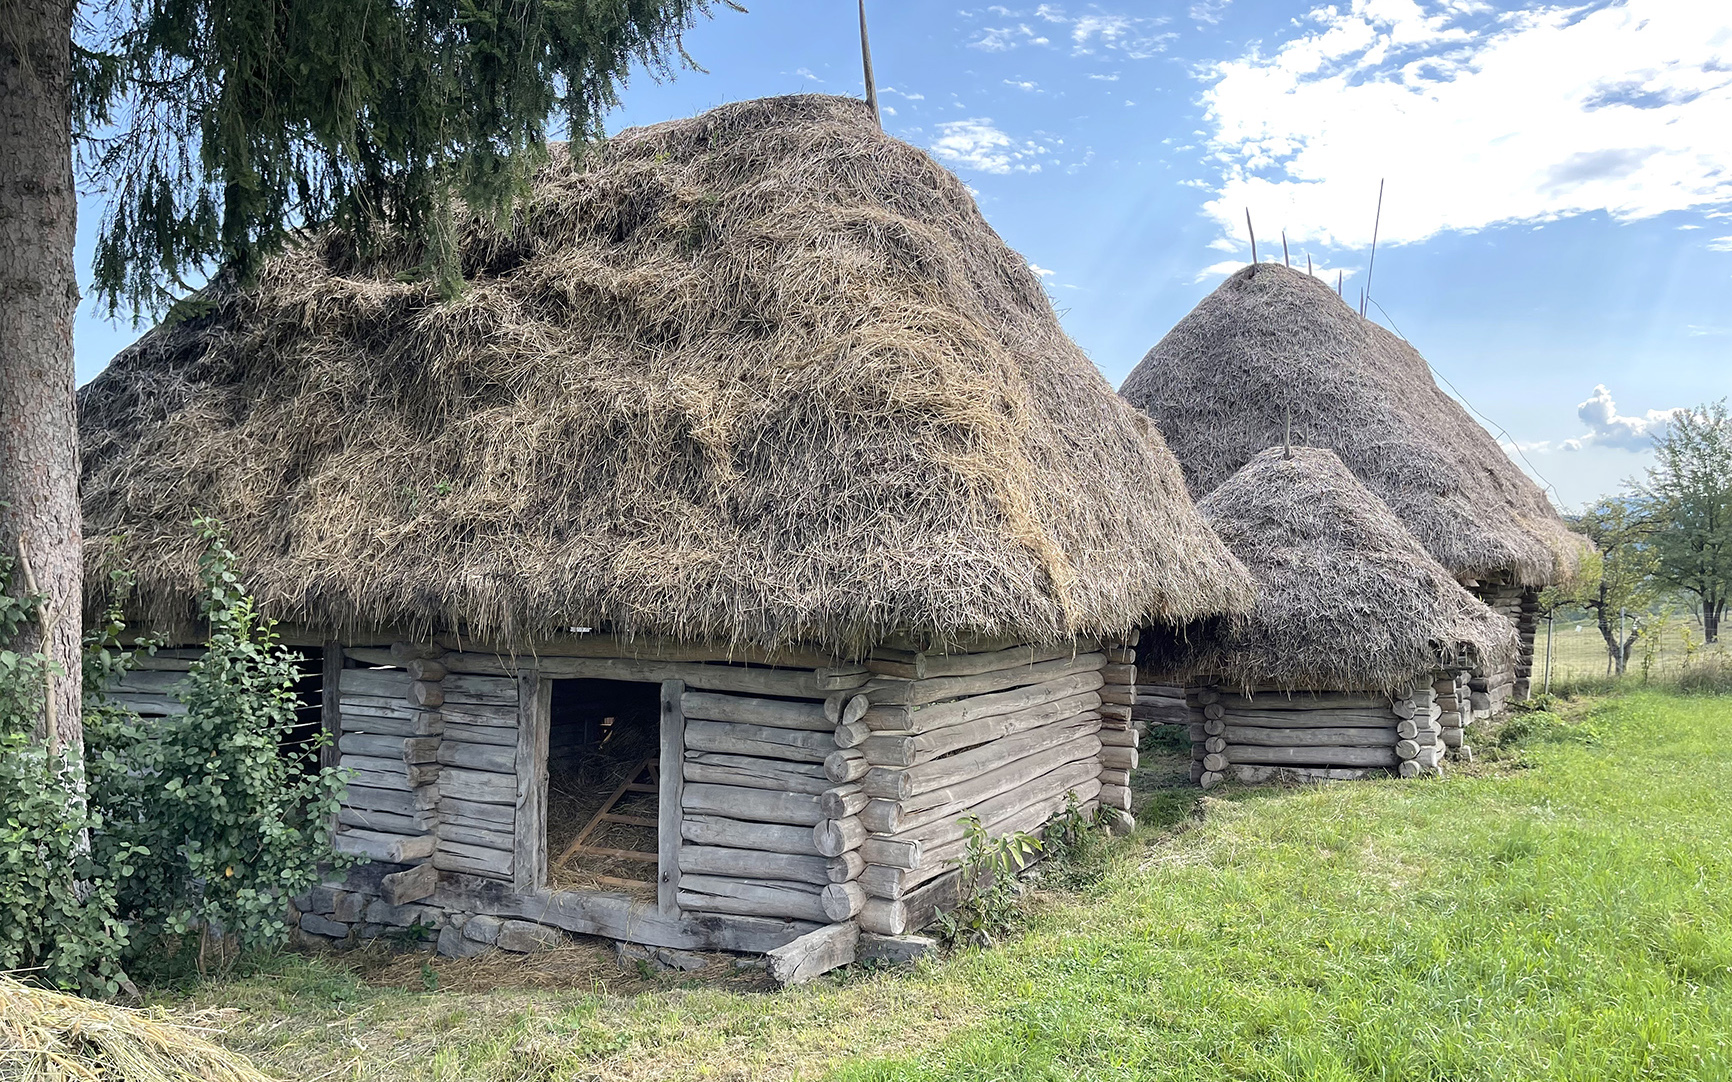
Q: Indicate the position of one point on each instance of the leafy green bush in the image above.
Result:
(57, 907)
(228, 825)
(989, 903)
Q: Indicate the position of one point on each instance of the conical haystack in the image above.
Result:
(1273, 343)
(1347, 599)
(764, 375)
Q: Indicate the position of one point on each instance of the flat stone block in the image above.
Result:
(483, 929)
(524, 936)
(893, 950)
(318, 925)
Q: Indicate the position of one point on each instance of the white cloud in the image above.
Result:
(975, 144)
(1113, 78)
(1004, 38)
(1475, 119)
(806, 73)
(1024, 85)
(903, 93)
(1041, 271)
(1607, 428)
(1720, 244)
(1325, 274)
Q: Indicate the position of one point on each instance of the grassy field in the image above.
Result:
(1580, 650)
(1560, 910)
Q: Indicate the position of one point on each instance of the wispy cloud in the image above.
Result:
(1208, 11)
(806, 73)
(1091, 32)
(1475, 118)
(976, 144)
(1026, 85)
(1720, 244)
(1041, 271)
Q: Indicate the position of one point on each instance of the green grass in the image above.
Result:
(1562, 912)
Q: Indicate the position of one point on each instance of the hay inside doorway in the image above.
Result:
(602, 785)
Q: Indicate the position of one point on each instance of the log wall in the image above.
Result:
(1262, 734)
(1009, 736)
(1491, 688)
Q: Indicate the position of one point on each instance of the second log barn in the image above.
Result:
(1274, 355)
(746, 522)
(1352, 659)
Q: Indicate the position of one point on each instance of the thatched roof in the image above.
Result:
(760, 376)
(1221, 383)
(1347, 599)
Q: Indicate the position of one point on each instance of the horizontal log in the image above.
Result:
(785, 683)
(833, 837)
(1115, 796)
(391, 848)
(846, 707)
(755, 773)
(814, 954)
(472, 860)
(480, 715)
(764, 741)
(1119, 695)
(149, 682)
(852, 734)
(1120, 655)
(376, 706)
(504, 814)
(750, 897)
(1327, 756)
(409, 723)
(450, 817)
(928, 718)
(473, 734)
(408, 775)
(382, 822)
(755, 805)
(918, 692)
(949, 802)
(1119, 674)
(502, 840)
(481, 786)
(1118, 738)
(426, 694)
(842, 801)
(1358, 702)
(776, 713)
(1406, 749)
(846, 765)
(401, 801)
(741, 834)
(1323, 736)
(903, 783)
(495, 758)
(842, 901)
(1115, 777)
(414, 749)
(1311, 719)
(1119, 758)
(755, 864)
(913, 749)
(382, 683)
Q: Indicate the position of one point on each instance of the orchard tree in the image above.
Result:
(1688, 498)
(217, 128)
(1618, 579)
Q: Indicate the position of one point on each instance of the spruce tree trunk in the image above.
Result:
(38, 299)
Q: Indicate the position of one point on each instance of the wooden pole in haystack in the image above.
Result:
(1285, 261)
(866, 62)
(1251, 230)
(1375, 226)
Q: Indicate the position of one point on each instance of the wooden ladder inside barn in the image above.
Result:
(645, 779)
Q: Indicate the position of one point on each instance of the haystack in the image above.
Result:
(761, 376)
(1272, 345)
(749, 449)
(1356, 631)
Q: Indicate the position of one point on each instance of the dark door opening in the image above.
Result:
(603, 739)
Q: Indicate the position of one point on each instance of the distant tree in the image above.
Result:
(218, 128)
(1688, 500)
(1616, 584)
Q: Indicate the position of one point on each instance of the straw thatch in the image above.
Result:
(762, 375)
(1347, 599)
(49, 1036)
(1271, 340)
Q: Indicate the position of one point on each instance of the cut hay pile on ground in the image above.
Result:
(52, 1037)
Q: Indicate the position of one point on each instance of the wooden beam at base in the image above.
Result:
(618, 916)
(814, 954)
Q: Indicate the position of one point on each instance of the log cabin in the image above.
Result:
(1350, 663)
(1274, 355)
(746, 522)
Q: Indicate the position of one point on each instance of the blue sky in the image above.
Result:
(1556, 234)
